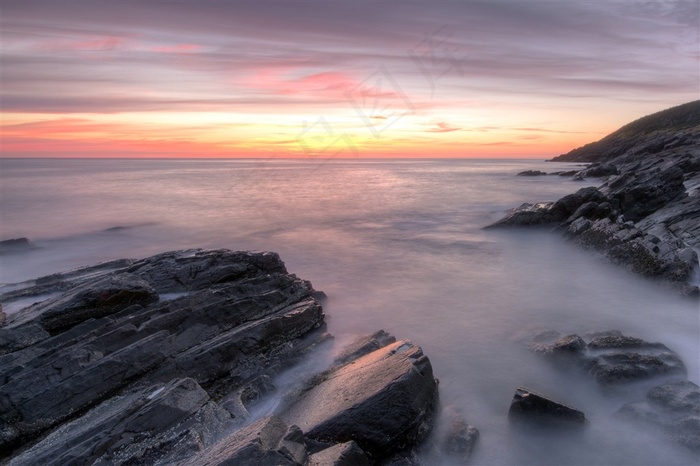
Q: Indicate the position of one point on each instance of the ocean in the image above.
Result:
(397, 245)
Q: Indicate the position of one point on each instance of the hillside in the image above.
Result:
(674, 127)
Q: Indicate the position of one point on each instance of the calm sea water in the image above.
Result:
(397, 245)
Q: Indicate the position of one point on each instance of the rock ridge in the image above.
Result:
(645, 215)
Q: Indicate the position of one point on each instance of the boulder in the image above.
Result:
(675, 407)
(529, 405)
(383, 400)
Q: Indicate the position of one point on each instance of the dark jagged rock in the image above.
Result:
(155, 425)
(104, 372)
(528, 215)
(646, 216)
(194, 270)
(643, 192)
(599, 170)
(93, 299)
(552, 212)
(675, 407)
(532, 173)
(342, 454)
(612, 358)
(527, 404)
(243, 319)
(383, 400)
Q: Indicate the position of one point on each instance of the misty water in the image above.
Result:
(396, 245)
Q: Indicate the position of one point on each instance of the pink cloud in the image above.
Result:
(179, 48)
(92, 44)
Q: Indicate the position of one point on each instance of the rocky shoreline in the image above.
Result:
(165, 360)
(159, 360)
(645, 215)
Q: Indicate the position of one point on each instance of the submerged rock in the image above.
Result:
(527, 404)
(532, 173)
(612, 358)
(675, 407)
(457, 439)
(15, 245)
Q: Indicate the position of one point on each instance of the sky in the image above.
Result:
(209, 78)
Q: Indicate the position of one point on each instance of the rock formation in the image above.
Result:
(646, 214)
(613, 359)
(157, 361)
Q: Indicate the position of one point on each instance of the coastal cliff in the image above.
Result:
(645, 215)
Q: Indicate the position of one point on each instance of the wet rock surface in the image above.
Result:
(160, 360)
(106, 351)
(646, 215)
(383, 400)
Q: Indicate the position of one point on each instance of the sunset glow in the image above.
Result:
(305, 79)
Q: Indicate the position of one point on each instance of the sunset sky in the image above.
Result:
(97, 78)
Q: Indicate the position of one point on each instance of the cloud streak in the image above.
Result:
(475, 64)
